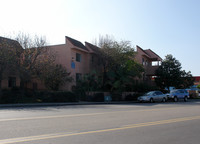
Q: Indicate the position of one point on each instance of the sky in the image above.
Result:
(164, 26)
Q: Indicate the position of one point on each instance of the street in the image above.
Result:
(136, 123)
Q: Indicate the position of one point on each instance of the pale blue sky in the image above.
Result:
(165, 26)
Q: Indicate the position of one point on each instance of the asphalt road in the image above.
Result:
(157, 123)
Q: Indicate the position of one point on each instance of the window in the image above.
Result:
(143, 62)
(92, 59)
(78, 57)
(158, 93)
(78, 77)
(35, 86)
(12, 82)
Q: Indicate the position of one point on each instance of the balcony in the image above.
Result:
(150, 70)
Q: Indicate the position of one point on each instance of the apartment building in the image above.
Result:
(80, 59)
(150, 61)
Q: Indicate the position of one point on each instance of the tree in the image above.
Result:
(117, 60)
(187, 79)
(198, 86)
(90, 82)
(35, 54)
(170, 74)
(123, 79)
(55, 76)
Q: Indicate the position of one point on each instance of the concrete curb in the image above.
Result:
(75, 103)
(60, 104)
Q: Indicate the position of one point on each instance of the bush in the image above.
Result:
(133, 97)
(116, 96)
(98, 97)
(17, 95)
(60, 96)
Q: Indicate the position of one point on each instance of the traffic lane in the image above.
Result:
(82, 121)
(81, 109)
(94, 121)
(176, 132)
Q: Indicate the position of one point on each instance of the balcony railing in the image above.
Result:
(150, 70)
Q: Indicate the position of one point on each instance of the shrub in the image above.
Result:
(98, 97)
(58, 96)
(116, 96)
(133, 97)
(16, 95)
(28, 96)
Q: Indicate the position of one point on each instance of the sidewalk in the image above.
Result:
(62, 104)
(78, 103)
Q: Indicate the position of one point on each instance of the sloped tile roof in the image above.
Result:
(76, 43)
(9, 43)
(142, 51)
(92, 48)
(153, 55)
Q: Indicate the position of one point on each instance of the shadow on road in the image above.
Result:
(54, 107)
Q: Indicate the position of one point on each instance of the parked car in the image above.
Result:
(153, 96)
(178, 94)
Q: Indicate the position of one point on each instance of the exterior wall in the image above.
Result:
(94, 64)
(4, 83)
(141, 55)
(66, 55)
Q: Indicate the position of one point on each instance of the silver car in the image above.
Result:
(153, 96)
(178, 94)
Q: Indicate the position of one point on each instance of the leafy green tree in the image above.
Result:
(55, 76)
(123, 79)
(88, 83)
(198, 86)
(187, 79)
(170, 74)
(117, 61)
(35, 53)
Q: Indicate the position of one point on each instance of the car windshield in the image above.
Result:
(149, 93)
(173, 91)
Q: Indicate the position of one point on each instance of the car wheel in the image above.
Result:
(151, 100)
(175, 99)
(164, 100)
(185, 98)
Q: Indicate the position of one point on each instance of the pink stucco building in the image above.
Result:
(150, 61)
(80, 59)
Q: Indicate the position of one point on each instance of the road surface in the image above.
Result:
(157, 123)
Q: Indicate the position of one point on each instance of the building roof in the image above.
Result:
(144, 53)
(77, 43)
(150, 54)
(153, 55)
(92, 48)
(9, 43)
